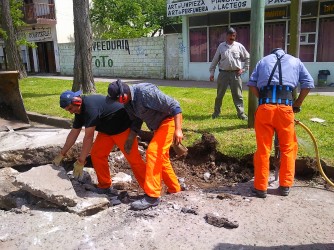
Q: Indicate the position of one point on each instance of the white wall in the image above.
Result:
(140, 57)
(314, 68)
(64, 26)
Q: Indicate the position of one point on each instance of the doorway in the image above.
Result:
(46, 57)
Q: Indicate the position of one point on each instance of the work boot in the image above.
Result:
(284, 191)
(259, 193)
(145, 203)
(107, 191)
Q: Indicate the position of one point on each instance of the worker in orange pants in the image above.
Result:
(111, 121)
(144, 102)
(273, 81)
(102, 146)
(158, 165)
(271, 118)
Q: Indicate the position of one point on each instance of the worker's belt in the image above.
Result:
(222, 70)
(276, 94)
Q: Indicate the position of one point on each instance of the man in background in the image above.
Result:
(229, 56)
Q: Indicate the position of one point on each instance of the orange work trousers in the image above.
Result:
(158, 165)
(102, 146)
(270, 118)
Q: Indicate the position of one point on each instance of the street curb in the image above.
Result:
(50, 120)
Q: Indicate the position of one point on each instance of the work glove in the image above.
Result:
(56, 161)
(129, 142)
(78, 169)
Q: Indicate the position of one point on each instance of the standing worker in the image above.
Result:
(110, 119)
(229, 56)
(162, 114)
(272, 82)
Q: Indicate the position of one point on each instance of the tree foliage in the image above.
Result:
(129, 18)
(17, 19)
(9, 35)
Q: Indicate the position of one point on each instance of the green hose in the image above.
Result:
(316, 152)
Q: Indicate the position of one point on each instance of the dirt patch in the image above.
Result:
(206, 168)
(217, 211)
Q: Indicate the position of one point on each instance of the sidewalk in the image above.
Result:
(327, 91)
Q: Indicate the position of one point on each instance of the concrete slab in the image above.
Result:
(32, 138)
(50, 183)
(90, 204)
(7, 189)
(34, 146)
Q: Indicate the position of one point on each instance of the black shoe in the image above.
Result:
(259, 193)
(107, 191)
(214, 116)
(284, 191)
(145, 203)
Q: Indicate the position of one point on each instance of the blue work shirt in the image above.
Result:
(148, 104)
(293, 72)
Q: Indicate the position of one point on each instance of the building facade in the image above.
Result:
(204, 23)
(49, 22)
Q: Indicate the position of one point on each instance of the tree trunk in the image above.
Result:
(13, 55)
(83, 73)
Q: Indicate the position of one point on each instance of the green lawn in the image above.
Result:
(42, 96)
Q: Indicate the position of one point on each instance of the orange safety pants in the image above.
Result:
(102, 146)
(270, 118)
(158, 165)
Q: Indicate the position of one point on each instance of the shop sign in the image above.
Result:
(277, 13)
(202, 6)
(39, 34)
(327, 8)
(111, 45)
(181, 8)
(276, 2)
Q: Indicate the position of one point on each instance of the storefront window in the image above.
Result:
(325, 40)
(217, 35)
(306, 53)
(198, 44)
(274, 36)
(307, 40)
(243, 35)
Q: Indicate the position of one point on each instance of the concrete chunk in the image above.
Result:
(90, 204)
(8, 199)
(50, 183)
(34, 146)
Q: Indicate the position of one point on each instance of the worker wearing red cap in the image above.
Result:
(110, 119)
(144, 102)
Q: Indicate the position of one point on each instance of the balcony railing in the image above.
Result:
(39, 13)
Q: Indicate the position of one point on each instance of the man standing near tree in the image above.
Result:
(229, 56)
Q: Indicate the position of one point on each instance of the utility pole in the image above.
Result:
(295, 13)
(256, 50)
